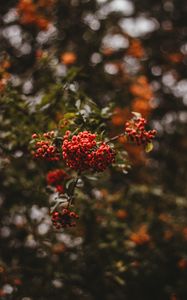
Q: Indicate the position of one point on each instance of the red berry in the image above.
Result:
(34, 136)
(46, 149)
(136, 131)
(65, 219)
(81, 153)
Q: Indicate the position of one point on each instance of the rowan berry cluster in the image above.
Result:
(64, 219)
(102, 157)
(45, 148)
(56, 178)
(137, 133)
(81, 152)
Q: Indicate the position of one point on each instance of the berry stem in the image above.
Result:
(116, 137)
(73, 190)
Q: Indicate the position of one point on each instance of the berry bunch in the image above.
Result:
(56, 178)
(45, 148)
(64, 219)
(102, 157)
(81, 152)
(135, 129)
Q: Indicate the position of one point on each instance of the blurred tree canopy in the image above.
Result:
(98, 60)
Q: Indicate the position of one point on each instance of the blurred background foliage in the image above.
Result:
(131, 239)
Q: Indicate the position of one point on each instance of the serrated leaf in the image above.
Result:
(149, 147)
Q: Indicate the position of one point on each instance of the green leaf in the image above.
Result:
(69, 183)
(92, 178)
(69, 115)
(149, 147)
(79, 183)
(101, 135)
(105, 111)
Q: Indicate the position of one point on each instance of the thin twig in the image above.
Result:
(73, 190)
(116, 137)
